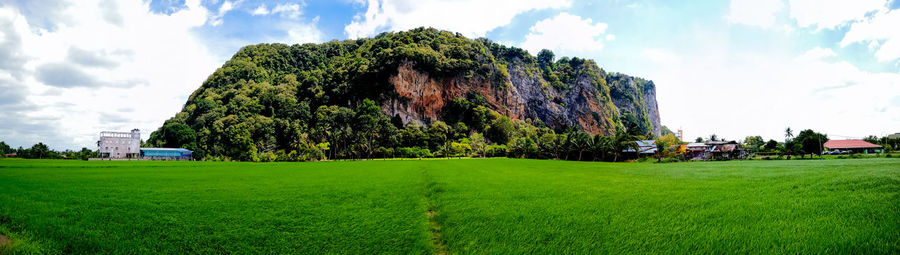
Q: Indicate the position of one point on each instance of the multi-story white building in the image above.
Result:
(120, 144)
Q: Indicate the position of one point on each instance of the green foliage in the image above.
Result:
(754, 143)
(771, 145)
(810, 142)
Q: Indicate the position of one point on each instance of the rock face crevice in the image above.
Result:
(586, 104)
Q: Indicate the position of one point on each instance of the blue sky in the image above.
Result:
(731, 68)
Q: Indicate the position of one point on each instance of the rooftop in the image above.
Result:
(166, 149)
(849, 144)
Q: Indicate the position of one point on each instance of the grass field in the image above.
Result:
(497, 206)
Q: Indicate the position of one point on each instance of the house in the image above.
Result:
(721, 150)
(120, 144)
(853, 146)
(715, 150)
(697, 151)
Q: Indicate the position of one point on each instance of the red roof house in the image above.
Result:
(856, 146)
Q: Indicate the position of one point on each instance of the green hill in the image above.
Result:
(421, 89)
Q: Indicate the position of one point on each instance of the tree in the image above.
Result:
(791, 148)
(583, 141)
(174, 135)
(477, 143)
(500, 129)
(788, 134)
(622, 141)
(771, 145)
(754, 143)
(664, 145)
(545, 58)
(713, 137)
(603, 147)
(439, 134)
(810, 142)
(547, 144)
(461, 148)
(40, 150)
(5, 149)
(698, 140)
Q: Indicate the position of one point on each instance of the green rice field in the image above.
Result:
(462, 206)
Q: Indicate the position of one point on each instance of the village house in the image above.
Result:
(715, 150)
(853, 146)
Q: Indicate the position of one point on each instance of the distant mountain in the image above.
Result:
(277, 94)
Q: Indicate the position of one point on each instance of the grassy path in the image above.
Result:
(431, 189)
(497, 206)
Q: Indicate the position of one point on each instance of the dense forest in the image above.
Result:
(370, 98)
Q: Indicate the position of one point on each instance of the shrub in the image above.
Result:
(496, 150)
(414, 152)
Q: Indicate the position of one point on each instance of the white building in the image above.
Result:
(120, 144)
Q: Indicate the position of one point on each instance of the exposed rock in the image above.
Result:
(421, 98)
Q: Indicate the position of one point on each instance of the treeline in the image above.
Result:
(807, 142)
(889, 144)
(42, 151)
(363, 132)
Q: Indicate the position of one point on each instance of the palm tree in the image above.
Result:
(621, 142)
(602, 146)
(583, 141)
(788, 134)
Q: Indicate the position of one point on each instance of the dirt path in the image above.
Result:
(430, 190)
(4, 240)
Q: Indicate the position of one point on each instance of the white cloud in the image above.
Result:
(660, 56)
(567, 33)
(881, 31)
(145, 62)
(817, 53)
(226, 6)
(610, 37)
(735, 94)
(472, 18)
(304, 33)
(760, 13)
(286, 10)
(830, 14)
(261, 10)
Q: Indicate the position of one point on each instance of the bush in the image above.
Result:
(414, 152)
(267, 157)
(669, 160)
(496, 150)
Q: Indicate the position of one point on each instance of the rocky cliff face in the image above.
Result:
(635, 97)
(583, 103)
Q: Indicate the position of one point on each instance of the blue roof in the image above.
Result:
(644, 147)
(166, 152)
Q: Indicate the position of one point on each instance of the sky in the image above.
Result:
(72, 68)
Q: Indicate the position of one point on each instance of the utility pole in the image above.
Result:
(819, 136)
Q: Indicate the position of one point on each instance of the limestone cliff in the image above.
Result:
(584, 103)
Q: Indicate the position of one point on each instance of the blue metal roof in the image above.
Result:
(166, 152)
(644, 147)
